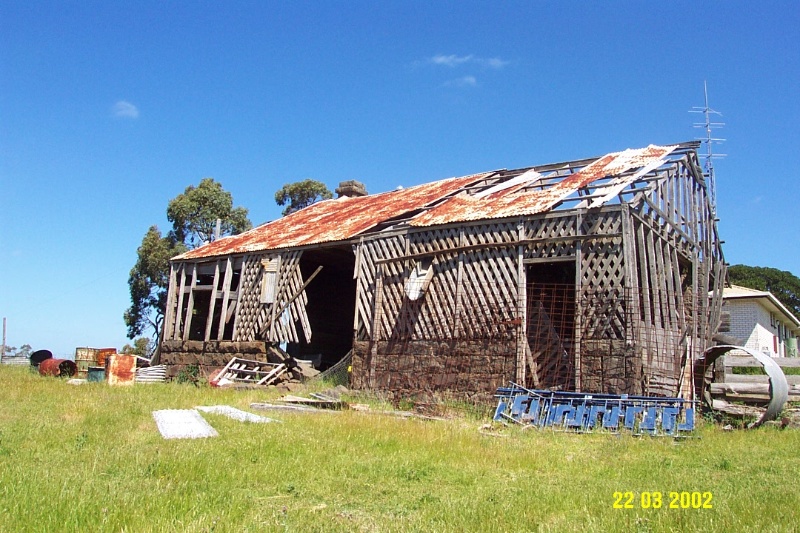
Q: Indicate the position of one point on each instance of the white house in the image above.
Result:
(760, 321)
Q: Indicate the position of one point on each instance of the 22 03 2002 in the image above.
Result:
(657, 500)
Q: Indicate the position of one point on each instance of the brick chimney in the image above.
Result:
(351, 188)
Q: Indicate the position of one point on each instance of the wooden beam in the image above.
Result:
(178, 332)
(169, 316)
(521, 307)
(187, 322)
(631, 281)
(242, 295)
(558, 259)
(269, 330)
(212, 304)
(226, 296)
(578, 296)
(376, 320)
(459, 293)
(511, 244)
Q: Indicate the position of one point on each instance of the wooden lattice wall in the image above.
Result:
(643, 269)
(473, 292)
(273, 321)
(241, 302)
(441, 340)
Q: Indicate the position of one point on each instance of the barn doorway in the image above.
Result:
(550, 299)
(331, 306)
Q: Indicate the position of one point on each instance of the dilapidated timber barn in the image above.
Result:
(590, 275)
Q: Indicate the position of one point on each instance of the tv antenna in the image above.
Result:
(709, 140)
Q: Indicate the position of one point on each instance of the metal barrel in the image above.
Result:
(58, 367)
(103, 354)
(84, 358)
(40, 355)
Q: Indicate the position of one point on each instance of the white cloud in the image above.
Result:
(450, 61)
(123, 109)
(453, 61)
(465, 81)
(496, 63)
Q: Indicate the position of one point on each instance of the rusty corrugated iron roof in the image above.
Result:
(518, 202)
(442, 202)
(333, 220)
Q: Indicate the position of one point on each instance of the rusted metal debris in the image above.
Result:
(58, 367)
(120, 369)
(86, 357)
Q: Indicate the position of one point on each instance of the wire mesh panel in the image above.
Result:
(617, 352)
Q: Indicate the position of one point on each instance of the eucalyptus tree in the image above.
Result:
(194, 215)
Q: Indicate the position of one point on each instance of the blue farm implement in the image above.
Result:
(578, 411)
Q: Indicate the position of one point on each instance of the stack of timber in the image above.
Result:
(280, 368)
(748, 390)
(317, 400)
(249, 372)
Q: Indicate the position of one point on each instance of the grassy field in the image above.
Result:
(89, 458)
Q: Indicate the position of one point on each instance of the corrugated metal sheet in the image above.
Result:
(512, 202)
(615, 186)
(15, 360)
(152, 374)
(345, 218)
(333, 220)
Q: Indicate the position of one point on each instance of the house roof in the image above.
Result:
(332, 220)
(526, 199)
(496, 194)
(736, 292)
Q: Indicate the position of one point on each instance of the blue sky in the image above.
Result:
(110, 109)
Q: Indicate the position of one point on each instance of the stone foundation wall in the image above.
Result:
(207, 356)
(611, 367)
(465, 369)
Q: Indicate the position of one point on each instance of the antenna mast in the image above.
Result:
(708, 126)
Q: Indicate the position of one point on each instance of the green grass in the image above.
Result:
(90, 458)
(759, 371)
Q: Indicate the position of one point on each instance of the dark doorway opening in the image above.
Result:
(199, 318)
(551, 323)
(331, 305)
